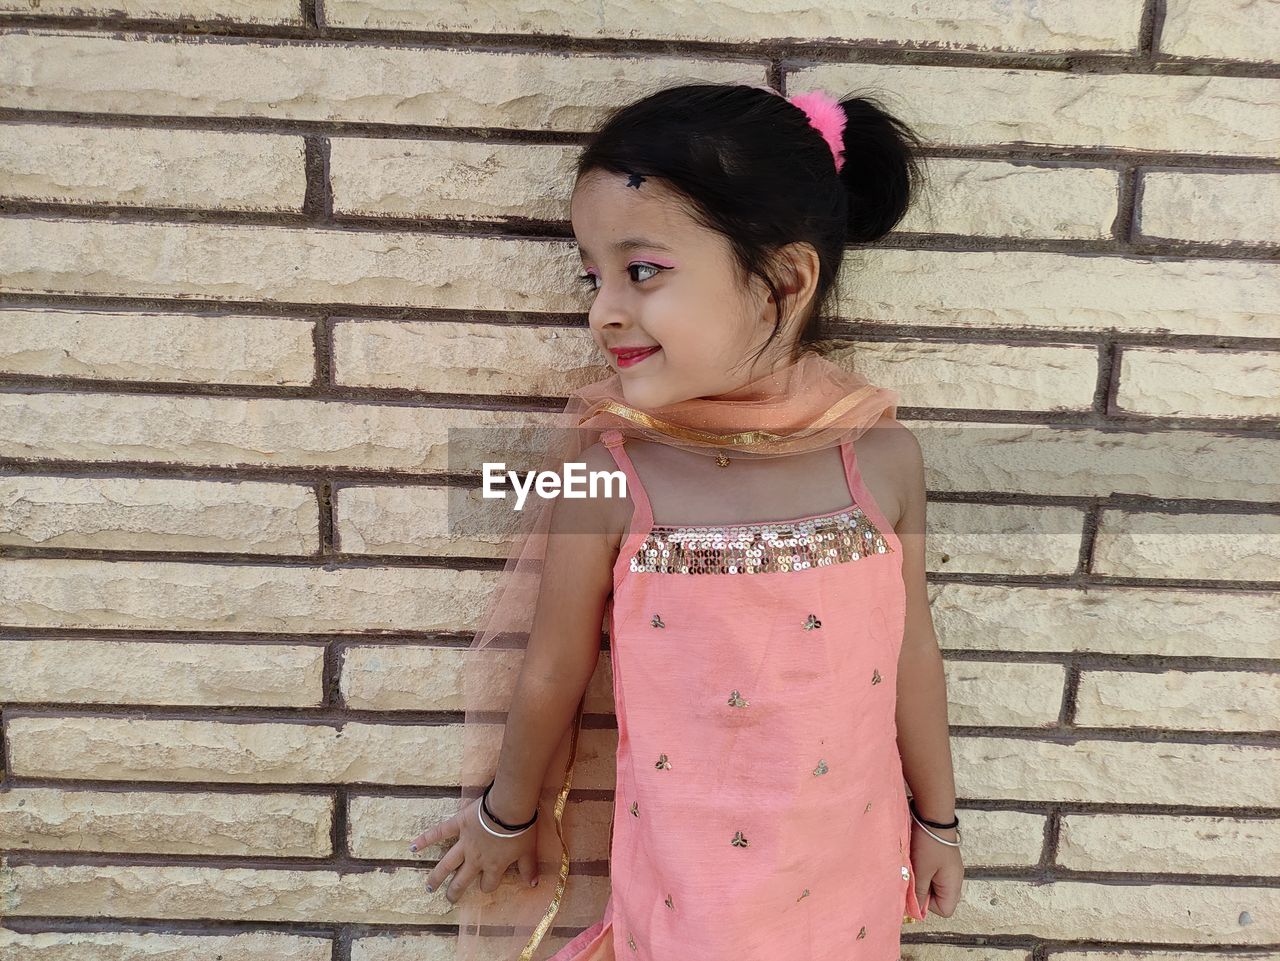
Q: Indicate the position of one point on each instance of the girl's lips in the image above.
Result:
(628, 360)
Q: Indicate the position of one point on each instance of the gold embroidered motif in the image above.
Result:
(762, 548)
(663, 764)
(738, 840)
(811, 623)
(875, 676)
(906, 873)
(736, 700)
(656, 621)
(803, 895)
(635, 808)
(868, 808)
(821, 768)
(670, 904)
(631, 942)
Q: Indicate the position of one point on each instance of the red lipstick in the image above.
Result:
(629, 356)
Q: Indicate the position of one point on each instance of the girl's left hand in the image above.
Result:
(937, 866)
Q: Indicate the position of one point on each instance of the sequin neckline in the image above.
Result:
(760, 547)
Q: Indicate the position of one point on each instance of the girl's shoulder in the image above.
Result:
(608, 515)
(891, 462)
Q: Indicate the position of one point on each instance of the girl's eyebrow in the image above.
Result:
(632, 243)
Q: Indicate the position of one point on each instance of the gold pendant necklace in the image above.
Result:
(721, 460)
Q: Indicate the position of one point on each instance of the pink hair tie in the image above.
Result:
(827, 117)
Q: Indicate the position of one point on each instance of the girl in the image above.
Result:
(776, 679)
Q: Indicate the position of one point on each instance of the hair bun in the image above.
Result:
(881, 174)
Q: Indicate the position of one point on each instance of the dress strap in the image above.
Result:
(862, 494)
(642, 519)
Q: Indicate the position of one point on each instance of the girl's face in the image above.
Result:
(655, 279)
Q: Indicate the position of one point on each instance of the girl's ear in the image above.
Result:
(798, 266)
(802, 264)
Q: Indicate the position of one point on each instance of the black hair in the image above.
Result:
(750, 166)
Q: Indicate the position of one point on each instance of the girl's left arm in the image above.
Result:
(924, 738)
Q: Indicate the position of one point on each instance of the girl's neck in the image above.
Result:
(763, 381)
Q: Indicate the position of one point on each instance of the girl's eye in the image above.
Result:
(589, 279)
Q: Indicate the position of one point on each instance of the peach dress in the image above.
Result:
(760, 811)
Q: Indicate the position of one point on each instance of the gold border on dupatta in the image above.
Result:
(746, 438)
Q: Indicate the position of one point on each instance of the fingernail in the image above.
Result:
(534, 882)
(413, 847)
(430, 889)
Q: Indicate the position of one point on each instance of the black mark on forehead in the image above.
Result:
(635, 180)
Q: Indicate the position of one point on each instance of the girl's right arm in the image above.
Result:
(560, 658)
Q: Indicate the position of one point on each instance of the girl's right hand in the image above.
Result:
(477, 852)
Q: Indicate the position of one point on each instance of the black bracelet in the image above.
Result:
(933, 824)
(484, 803)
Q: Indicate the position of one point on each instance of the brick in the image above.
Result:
(1215, 208)
(1002, 538)
(1199, 383)
(1081, 461)
(1100, 771)
(148, 514)
(991, 107)
(1112, 913)
(948, 951)
(209, 76)
(240, 11)
(246, 752)
(1180, 700)
(450, 357)
(995, 198)
(88, 671)
(409, 677)
(290, 824)
(1151, 544)
(118, 945)
(1005, 839)
(1170, 844)
(231, 431)
(1071, 292)
(209, 349)
(1245, 30)
(1107, 620)
(137, 167)
(171, 595)
(1009, 695)
(186, 892)
(1091, 25)
(305, 265)
(451, 179)
(977, 376)
(416, 521)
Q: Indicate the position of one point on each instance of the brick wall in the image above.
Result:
(258, 258)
